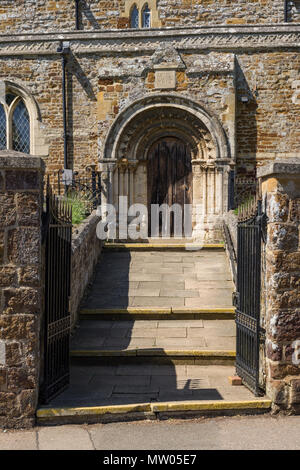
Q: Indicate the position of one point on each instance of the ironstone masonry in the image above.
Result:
(281, 293)
(21, 287)
(234, 89)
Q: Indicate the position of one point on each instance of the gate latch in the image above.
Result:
(235, 299)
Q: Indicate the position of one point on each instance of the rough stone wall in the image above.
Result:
(20, 287)
(94, 102)
(52, 15)
(267, 123)
(86, 249)
(281, 193)
(191, 12)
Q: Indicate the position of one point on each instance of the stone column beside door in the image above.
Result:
(281, 279)
(21, 287)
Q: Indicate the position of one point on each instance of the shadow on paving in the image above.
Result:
(120, 277)
(102, 385)
(112, 281)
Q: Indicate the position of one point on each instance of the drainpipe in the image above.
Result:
(77, 25)
(286, 11)
(64, 50)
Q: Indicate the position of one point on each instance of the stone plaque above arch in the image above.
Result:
(166, 61)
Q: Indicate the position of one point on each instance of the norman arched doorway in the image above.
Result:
(170, 179)
(169, 124)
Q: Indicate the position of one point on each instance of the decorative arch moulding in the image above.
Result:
(180, 115)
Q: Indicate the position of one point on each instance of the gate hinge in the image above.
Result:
(262, 335)
(235, 299)
(264, 227)
(69, 305)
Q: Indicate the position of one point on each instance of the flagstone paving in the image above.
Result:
(126, 384)
(154, 279)
(165, 334)
(161, 279)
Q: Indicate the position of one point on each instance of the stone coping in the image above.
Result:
(281, 167)
(141, 33)
(80, 232)
(17, 160)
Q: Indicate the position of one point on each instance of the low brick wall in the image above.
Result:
(281, 299)
(86, 249)
(21, 287)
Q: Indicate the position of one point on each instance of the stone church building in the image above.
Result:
(171, 101)
(217, 82)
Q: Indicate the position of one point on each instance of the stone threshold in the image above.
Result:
(135, 313)
(161, 246)
(151, 410)
(155, 356)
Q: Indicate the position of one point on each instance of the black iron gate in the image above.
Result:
(57, 238)
(250, 230)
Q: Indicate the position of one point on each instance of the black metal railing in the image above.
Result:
(231, 251)
(85, 184)
(247, 298)
(57, 235)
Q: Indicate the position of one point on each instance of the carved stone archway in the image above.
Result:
(124, 160)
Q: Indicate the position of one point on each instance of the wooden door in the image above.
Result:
(169, 175)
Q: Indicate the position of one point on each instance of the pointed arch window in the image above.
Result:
(14, 124)
(146, 17)
(134, 18)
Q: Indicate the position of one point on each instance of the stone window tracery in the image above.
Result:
(14, 124)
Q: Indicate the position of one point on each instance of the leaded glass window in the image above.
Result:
(21, 129)
(134, 20)
(146, 17)
(14, 124)
(2, 128)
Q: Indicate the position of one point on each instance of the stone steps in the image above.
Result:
(146, 411)
(128, 392)
(158, 246)
(151, 313)
(153, 356)
(156, 341)
(154, 361)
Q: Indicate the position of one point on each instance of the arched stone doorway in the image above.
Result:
(125, 160)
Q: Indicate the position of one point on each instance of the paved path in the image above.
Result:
(162, 279)
(165, 334)
(131, 383)
(239, 433)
